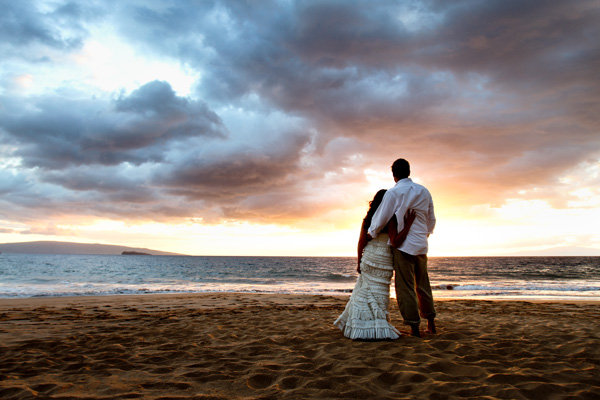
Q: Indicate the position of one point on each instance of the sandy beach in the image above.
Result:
(253, 346)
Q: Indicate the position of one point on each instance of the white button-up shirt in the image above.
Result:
(403, 196)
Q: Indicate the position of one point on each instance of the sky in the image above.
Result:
(265, 127)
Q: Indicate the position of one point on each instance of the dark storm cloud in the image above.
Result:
(149, 154)
(57, 131)
(383, 63)
(236, 174)
(94, 156)
(12, 183)
(100, 191)
(24, 24)
(112, 183)
(485, 97)
(516, 41)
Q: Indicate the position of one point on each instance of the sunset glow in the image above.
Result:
(219, 128)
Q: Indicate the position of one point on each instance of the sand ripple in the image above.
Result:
(232, 346)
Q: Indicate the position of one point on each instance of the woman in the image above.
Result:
(366, 315)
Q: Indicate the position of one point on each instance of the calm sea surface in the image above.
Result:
(27, 275)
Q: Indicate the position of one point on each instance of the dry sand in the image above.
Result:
(241, 346)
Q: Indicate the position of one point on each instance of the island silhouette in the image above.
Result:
(55, 247)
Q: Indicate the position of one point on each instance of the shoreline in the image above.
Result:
(344, 296)
(217, 346)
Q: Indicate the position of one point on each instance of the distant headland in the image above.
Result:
(135, 253)
(53, 247)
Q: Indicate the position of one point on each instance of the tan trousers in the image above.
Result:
(413, 290)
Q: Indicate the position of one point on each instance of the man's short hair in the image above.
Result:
(401, 168)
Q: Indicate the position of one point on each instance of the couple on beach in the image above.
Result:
(393, 241)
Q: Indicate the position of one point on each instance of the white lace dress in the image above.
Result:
(366, 315)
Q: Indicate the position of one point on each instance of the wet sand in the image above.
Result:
(253, 346)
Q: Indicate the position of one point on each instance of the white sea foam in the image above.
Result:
(495, 277)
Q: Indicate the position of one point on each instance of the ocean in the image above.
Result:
(35, 275)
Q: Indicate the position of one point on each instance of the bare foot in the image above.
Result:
(431, 327)
(415, 331)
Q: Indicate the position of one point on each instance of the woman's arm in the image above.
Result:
(363, 239)
(397, 238)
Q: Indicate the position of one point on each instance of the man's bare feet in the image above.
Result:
(431, 326)
(415, 331)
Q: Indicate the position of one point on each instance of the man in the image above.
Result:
(413, 290)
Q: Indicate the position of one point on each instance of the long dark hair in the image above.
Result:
(373, 204)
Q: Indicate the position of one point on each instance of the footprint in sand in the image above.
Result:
(45, 388)
(387, 379)
(17, 393)
(260, 381)
(289, 382)
(413, 377)
(166, 385)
